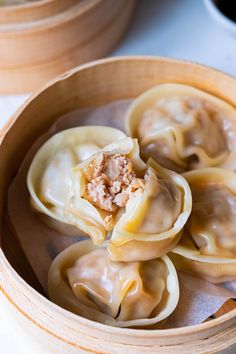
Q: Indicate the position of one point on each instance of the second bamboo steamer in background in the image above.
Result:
(43, 39)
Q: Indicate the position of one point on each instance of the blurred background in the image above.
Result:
(175, 28)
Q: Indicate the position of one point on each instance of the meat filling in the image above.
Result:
(111, 181)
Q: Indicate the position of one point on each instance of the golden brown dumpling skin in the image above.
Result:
(208, 245)
(84, 280)
(181, 127)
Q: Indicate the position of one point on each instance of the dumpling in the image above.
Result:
(208, 245)
(110, 193)
(49, 178)
(84, 280)
(141, 207)
(182, 127)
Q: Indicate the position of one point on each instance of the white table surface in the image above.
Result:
(175, 28)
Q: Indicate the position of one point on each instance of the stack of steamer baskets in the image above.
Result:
(42, 39)
(92, 85)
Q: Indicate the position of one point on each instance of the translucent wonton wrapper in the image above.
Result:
(84, 280)
(149, 223)
(153, 220)
(181, 127)
(208, 245)
(49, 178)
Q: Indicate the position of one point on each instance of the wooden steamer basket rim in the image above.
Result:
(123, 76)
(31, 11)
(26, 5)
(44, 22)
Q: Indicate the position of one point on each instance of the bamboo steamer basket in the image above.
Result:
(56, 329)
(43, 39)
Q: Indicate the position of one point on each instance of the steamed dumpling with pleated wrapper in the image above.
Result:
(183, 128)
(84, 280)
(142, 207)
(112, 193)
(208, 246)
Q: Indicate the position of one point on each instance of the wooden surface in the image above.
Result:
(41, 40)
(91, 85)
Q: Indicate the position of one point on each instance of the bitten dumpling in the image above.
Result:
(113, 194)
(49, 178)
(84, 280)
(141, 207)
(182, 127)
(208, 245)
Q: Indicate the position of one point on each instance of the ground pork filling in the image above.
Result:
(111, 181)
